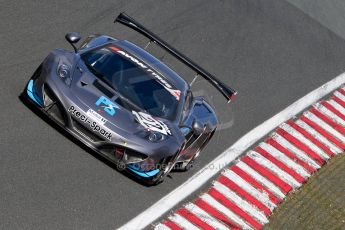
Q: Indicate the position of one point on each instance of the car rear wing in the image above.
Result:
(226, 91)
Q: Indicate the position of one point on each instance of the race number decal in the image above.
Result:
(108, 106)
(152, 124)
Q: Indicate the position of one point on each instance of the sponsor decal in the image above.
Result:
(176, 93)
(94, 115)
(108, 106)
(93, 124)
(152, 124)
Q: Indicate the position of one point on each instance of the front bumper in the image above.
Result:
(92, 141)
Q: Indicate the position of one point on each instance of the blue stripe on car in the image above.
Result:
(185, 130)
(31, 93)
(143, 174)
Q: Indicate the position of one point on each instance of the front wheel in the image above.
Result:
(185, 166)
(166, 165)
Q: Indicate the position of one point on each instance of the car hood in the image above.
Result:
(100, 100)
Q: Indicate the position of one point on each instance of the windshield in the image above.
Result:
(134, 80)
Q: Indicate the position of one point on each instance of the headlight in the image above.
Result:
(152, 136)
(156, 136)
(64, 72)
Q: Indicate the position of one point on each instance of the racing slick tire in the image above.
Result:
(166, 166)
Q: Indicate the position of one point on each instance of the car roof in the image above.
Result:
(156, 64)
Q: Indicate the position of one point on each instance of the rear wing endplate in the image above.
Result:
(226, 91)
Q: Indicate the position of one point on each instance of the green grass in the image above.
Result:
(318, 204)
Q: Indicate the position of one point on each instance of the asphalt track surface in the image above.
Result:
(270, 51)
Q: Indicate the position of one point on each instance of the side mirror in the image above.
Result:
(198, 127)
(72, 38)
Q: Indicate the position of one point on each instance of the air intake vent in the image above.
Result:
(53, 106)
(85, 132)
